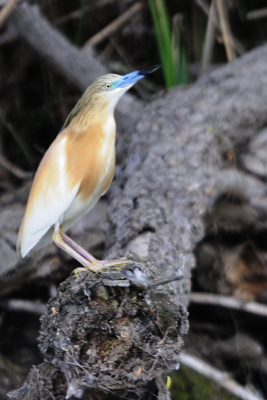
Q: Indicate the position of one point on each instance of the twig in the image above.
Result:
(114, 25)
(235, 42)
(68, 17)
(257, 14)
(19, 173)
(143, 284)
(226, 30)
(221, 378)
(7, 10)
(209, 38)
(102, 3)
(149, 284)
(229, 302)
(205, 7)
(33, 307)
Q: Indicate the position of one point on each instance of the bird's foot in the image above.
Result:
(100, 265)
(110, 263)
(78, 270)
(90, 267)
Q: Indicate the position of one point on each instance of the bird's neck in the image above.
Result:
(87, 118)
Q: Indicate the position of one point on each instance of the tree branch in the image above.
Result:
(229, 302)
(221, 378)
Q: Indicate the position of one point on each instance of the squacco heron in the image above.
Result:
(76, 171)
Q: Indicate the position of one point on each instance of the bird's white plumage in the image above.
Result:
(53, 199)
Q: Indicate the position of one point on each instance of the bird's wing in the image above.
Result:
(51, 195)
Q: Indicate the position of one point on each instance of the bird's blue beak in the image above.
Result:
(133, 77)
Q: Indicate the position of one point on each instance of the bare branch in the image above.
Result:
(226, 30)
(221, 378)
(70, 16)
(229, 302)
(209, 38)
(33, 307)
(162, 281)
(235, 42)
(114, 25)
(7, 10)
(257, 14)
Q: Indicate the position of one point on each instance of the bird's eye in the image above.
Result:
(108, 86)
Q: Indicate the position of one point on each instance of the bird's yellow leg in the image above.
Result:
(93, 261)
(57, 239)
(82, 256)
(76, 247)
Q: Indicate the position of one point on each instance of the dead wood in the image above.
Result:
(104, 335)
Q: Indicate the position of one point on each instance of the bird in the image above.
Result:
(76, 171)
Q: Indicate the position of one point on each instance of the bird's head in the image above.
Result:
(111, 87)
(103, 95)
